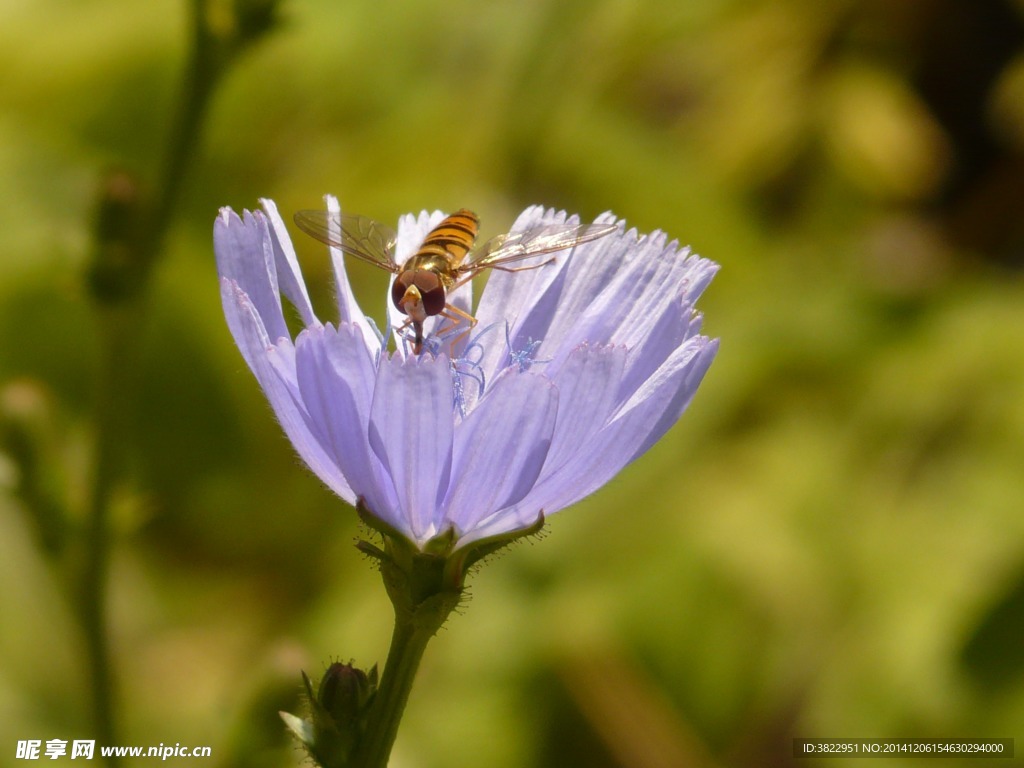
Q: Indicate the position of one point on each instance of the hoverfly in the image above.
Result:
(444, 261)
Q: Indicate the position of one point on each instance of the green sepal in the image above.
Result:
(465, 558)
(441, 565)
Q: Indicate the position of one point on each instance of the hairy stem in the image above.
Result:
(408, 642)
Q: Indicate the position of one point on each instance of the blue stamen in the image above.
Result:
(458, 387)
(523, 358)
(468, 366)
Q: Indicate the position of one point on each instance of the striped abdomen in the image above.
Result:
(448, 242)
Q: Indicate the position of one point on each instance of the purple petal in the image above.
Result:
(501, 447)
(504, 521)
(289, 275)
(508, 292)
(667, 393)
(274, 368)
(588, 388)
(411, 431)
(521, 302)
(348, 307)
(335, 375)
(631, 431)
(245, 255)
(668, 332)
(617, 308)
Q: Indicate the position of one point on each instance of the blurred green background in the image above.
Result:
(830, 544)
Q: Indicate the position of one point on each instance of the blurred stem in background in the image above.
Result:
(129, 235)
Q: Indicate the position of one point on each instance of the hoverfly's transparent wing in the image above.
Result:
(536, 241)
(357, 236)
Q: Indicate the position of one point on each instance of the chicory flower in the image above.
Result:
(574, 370)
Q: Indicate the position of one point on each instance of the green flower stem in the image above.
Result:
(111, 388)
(124, 258)
(423, 591)
(408, 642)
(424, 585)
(209, 57)
(129, 241)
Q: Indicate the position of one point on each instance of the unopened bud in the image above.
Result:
(337, 713)
(345, 691)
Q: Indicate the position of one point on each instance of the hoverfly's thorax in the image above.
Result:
(430, 262)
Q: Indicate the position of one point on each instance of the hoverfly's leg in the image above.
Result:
(461, 282)
(417, 342)
(525, 267)
(455, 317)
(471, 273)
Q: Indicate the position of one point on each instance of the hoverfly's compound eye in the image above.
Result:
(398, 289)
(432, 291)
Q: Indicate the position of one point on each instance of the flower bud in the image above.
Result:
(337, 713)
(345, 691)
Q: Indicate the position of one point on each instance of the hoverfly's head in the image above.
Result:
(418, 293)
